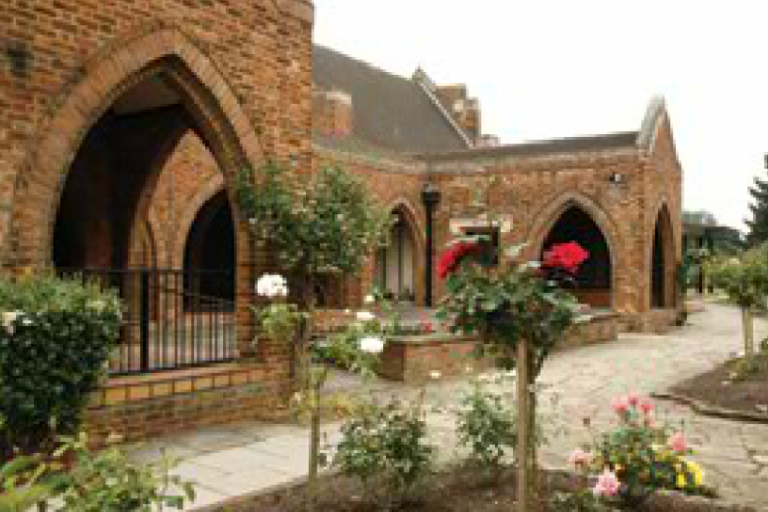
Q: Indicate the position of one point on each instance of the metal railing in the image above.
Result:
(173, 319)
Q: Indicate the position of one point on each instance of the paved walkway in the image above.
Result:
(233, 460)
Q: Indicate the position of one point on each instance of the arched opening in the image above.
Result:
(101, 223)
(395, 269)
(663, 262)
(594, 280)
(209, 253)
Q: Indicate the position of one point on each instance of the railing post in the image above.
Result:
(144, 314)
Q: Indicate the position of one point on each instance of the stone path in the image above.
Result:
(234, 460)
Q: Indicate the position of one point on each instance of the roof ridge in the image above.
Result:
(621, 139)
(426, 84)
(361, 62)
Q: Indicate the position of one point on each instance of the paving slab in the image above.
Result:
(576, 384)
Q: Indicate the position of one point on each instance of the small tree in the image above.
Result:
(758, 225)
(745, 281)
(521, 310)
(315, 227)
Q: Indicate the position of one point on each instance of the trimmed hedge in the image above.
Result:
(56, 337)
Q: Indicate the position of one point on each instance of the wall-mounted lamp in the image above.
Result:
(616, 178)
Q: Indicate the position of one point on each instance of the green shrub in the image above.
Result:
(93, 481)
(55, 341)
(386, 445)
(107, 481)
(487, 425)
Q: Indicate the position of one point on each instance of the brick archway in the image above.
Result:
(207, 105)
(661, 255)
(207, 96)
(213, 187)
(416, 231)
(549, 216)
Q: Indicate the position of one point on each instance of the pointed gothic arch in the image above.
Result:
(575, 217)
(399, 266)
(662, 261)
(164, 54)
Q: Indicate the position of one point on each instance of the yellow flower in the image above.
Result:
(681, 480)
(697, 471)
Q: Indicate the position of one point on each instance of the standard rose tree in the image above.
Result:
(314, 227)
(521, 310)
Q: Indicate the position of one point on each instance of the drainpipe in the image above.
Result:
(430, 195)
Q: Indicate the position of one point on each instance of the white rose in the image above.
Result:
(272, 286)
(9, 318)
(372, 345)
(365, 316)
(435, 375)
(369, 299)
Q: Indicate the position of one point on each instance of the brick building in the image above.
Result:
(125, 124)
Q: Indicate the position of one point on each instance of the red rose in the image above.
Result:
(451, 258)
(567, 257)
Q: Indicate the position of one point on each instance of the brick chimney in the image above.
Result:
(463, 109)
(332, 113)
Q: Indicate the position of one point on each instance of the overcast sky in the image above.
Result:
(556, 68)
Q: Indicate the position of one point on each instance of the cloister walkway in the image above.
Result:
(234, 460)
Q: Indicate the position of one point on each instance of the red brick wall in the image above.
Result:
(59, 63)
(189, 179)
(394, 184)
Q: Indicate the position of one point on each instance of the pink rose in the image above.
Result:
(607, 484)
(678, 443)
(580, 458)
(620, 405)
(646, 406)
(633, 399)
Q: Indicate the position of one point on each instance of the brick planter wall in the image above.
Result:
(598, 328)
(413, 358)
(139, 408)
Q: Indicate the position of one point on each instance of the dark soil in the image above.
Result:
(453, 492)
(456, 489)
(730, 386)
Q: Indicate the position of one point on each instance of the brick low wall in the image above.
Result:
(143, 407)
(657, 321)
(598, 328)
(413, 358)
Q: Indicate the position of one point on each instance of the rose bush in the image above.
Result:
(639, 456)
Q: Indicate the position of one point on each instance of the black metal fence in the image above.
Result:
(171, 320)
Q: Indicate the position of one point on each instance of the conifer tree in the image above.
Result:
(758, 225)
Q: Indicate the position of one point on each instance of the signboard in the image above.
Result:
(460, 225)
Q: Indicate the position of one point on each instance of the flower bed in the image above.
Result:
(735, 389)
(456, 489)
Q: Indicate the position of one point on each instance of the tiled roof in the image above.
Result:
(390, 111)
(619, 140)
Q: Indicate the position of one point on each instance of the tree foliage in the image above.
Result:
(326, 224)
(744, 279)
(758, 224)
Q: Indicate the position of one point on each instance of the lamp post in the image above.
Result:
(430, 195)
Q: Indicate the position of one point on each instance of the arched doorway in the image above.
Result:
(395, 269)
(663, 262)
(100, 225)
(594, 282)
(209, 253)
